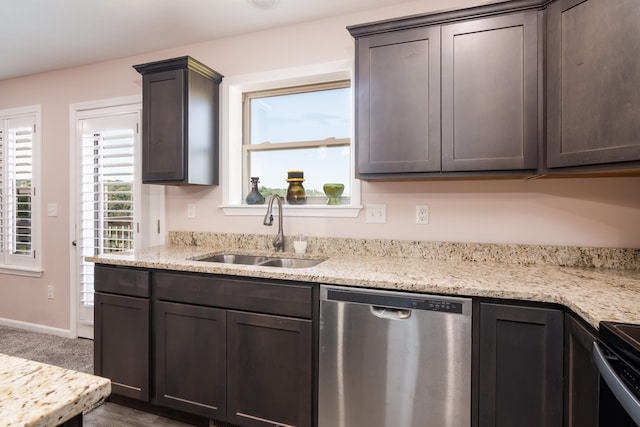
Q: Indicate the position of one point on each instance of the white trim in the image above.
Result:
(34, 269)
(231, 133)
(21, 271)
(104, 103)
(34, 327)
(336, 211)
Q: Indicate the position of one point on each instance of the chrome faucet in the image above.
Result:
(278, 242)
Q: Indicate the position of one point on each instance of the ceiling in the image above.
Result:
(46, 35)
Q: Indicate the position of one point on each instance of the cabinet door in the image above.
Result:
(581, 376)
(122, 343)
(269, 370)
(593, 95)
(398, 102)
(520, 363)
(163, 139)
(191, 358)
(490, 93)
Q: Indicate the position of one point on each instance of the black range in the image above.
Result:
(617, 355)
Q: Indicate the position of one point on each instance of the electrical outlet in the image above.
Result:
(50, 292)
(422, 214)
(191, 211)
(376, 214)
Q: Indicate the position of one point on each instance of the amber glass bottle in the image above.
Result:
(295, 192)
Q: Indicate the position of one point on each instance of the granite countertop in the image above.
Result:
(37, 394)
(595, 294)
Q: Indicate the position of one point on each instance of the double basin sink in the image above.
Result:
(263, 261)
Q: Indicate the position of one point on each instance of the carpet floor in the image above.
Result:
(76, 354)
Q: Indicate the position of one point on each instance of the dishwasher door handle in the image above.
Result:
(390, 313)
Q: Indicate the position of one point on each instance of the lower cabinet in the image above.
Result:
(191, 358)
(269, 360)
(244, 368)
(581, 375)
(121, 330)
(520, 359)
(235, 349)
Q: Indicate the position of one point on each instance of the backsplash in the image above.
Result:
(526, 255)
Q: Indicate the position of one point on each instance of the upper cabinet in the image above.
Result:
(398, 102)
(180, 99)
(593, 95)
(510, 88)
(435, 98)
(490, 94)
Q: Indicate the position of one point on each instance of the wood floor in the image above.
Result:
(113, 415)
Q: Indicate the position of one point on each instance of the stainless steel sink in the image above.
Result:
(263, 261)
(290, 262)
(235, 259)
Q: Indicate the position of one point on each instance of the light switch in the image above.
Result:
(376, 214)
(52, 209)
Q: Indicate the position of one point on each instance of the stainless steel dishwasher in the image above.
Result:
(393, 359)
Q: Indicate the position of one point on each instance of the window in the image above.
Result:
(294, 119)
(305, 128)
(19, 207)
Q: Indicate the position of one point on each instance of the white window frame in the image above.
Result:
(28, 266)
(233, 89)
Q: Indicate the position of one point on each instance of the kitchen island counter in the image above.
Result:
(595, 294)
(37, 394)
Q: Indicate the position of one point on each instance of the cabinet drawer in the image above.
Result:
(121, 281)
(262, 296)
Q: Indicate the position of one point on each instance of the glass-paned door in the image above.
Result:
(108, 203)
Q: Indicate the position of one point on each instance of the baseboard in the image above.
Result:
(34, 327)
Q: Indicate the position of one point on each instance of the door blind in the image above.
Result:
(107, 199)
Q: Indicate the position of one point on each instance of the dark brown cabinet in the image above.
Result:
(180, 99)
(398, 102)
(191, 364)
(121, 329)
(581, 375)
(235, 350)
(435, 98)
(593, 95)
(490, 93)
(269, 370)
(520, 364)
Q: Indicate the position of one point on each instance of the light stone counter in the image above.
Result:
(595, 294)
(37, 394)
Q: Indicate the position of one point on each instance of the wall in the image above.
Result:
(585, 212)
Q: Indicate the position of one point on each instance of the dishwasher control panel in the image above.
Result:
(387, 299)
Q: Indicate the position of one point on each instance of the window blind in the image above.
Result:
(16, 190)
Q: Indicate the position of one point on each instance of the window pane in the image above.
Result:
(320, 166)
(306, 116)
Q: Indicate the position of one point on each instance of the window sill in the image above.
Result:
(334, 211)
(21, 271)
